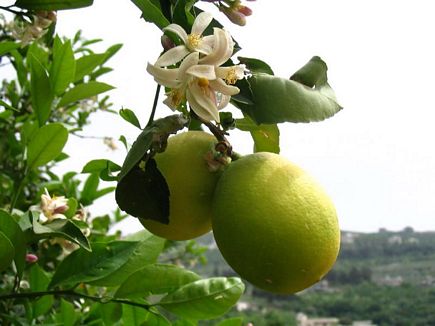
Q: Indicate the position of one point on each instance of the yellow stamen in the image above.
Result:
(193, 41)
(176, 97)
(231, 77)
(203, 82)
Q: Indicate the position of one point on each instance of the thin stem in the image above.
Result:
(70, 293)
(156, 99)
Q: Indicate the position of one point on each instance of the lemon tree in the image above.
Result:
(274, 224)
(191, 186)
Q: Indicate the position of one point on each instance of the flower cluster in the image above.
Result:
(52, 207)
(198, 77)
(27, 33)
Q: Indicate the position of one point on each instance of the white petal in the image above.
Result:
(202, 71)
(201, 104)
(222, 49)
(224, 100)
(165, 77)
(172, 56)
(220, 86)
(238, 71)
(168, 102)
(177, 29)
(201, 22)
(191, 60)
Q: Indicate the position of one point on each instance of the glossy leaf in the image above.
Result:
(266, 137)
(129, 116)
(84, 91)
(7, 252)
(86, 64)
(132, 315)
(47, 143)
(144, 193)
(13, 232)
(40, 90)
(269, 99)
(110, 313)
(83, 266)
(103, 167)
(156, 279)
(256, 65)
(235, 321)
(63, 68)
(204, 299)
(151, 13)
(61, 228)
(52, 4)
(146, 252)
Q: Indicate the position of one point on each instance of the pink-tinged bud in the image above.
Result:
(167, 43)
(245, 10)
(234, 16)
(31, 258)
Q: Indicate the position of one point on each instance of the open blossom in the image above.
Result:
(52, 207)
(200, 80)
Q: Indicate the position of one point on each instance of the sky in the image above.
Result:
(376, 157)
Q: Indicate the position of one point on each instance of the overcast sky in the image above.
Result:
(376, 158)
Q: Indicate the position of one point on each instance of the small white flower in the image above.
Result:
(52, 207)
(193, 42)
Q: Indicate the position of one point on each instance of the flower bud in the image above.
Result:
(244, 10)
(167, 43)
(31, 258)
(234, 16)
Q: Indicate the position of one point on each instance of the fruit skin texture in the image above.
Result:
(274, 224)
(191, 186)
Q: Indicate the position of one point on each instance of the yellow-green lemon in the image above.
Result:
(274, 225)
(191, 186)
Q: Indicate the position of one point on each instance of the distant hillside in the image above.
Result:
(386, 277)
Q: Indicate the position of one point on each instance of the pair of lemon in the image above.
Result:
(272, 222)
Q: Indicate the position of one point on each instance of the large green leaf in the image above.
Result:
(269, 99)
(38, 281)
(63, 68)
(156, 279)
(146, 252)
(204, 299)
(52, 4)
(61, 228)
(40, 90)
(7, 252)
(151, 13)
(8, 46)
(46, 145)
(103, 167)
(67, 316)
(12, 230)
(132, 315)
(265, 136)
(88, 63)
(84, 266)
(84, 91)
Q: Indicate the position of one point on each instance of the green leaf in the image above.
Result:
(111, 312)
(266, 137)
(151, 13)
(52, 4)
(63, 68)
(144, 193)
(86, 65)
(11, 229)
(268, 99)
(146, 252)
(40, 90)
(7, 252)
(90, 188)
(129, 116)
(235, 321)
(111, 51)
(61, 228)
(46, 144)
(38, 281)
(156, 279)
(67, 315)
(99, 165)
(256, 65)
(132, 315)
(204, 299)
(84, 91)
(7, 106)
(6, 47)
(84, 266)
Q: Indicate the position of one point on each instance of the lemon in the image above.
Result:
(191, 186)
(274, 224)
